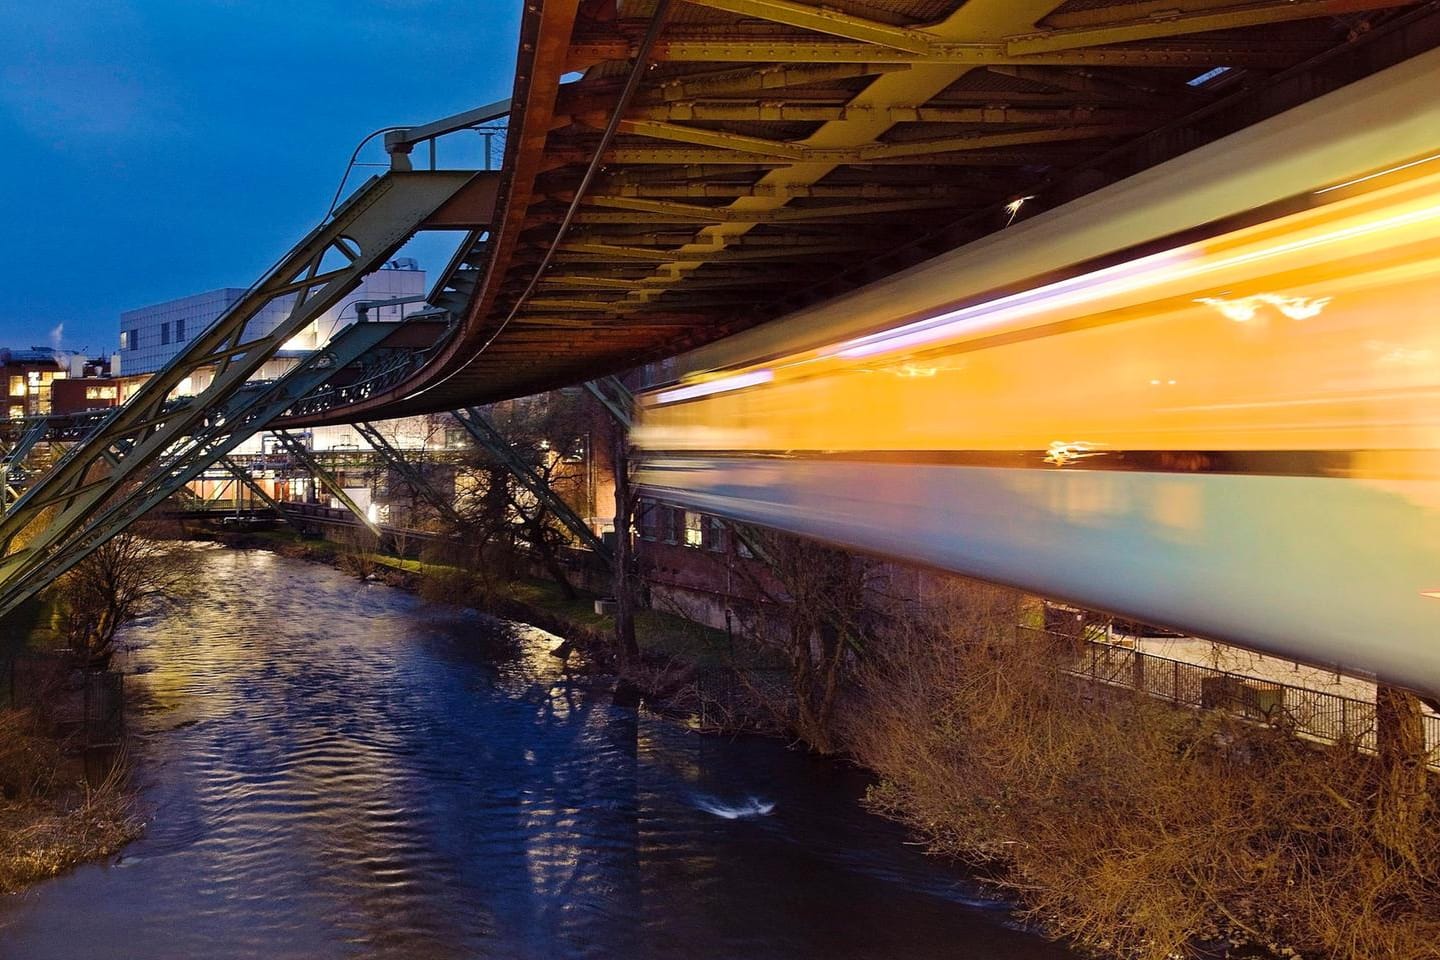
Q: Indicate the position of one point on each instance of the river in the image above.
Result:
(337, 769)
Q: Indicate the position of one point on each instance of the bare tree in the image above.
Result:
(128, 576)
(826, 596)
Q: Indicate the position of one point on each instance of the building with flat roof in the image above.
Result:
(151, 336)
(31, 377)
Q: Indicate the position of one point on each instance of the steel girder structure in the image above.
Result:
(417, 480)
(779, 152)
(149, 430)
(55, 428)
(15, 457)
(483, 432)
(296, 448)
(615, 397)
(218, 432)
(239, 472)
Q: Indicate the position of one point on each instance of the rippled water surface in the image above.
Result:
(334, 769)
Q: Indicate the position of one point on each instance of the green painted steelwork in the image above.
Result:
(417, 480)
(483, 432)
(244, 414)
(138, 444)
(296, 448)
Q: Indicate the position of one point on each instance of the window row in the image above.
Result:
(662, 523)
(170, 332)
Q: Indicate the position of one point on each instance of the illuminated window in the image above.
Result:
(694, 529)
(60, 375)
(16, 411)
(101, 393)
(17, 386)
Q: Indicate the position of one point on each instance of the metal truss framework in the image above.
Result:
(240, 473)
(143, 446)
(15, 457)
(296, 448)
(615, 397)
(483, 432)
(217, 435)
(778, 152)
(416, 479)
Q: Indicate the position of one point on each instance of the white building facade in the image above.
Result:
(151, 336)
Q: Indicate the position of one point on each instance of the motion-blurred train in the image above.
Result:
(1206, 397)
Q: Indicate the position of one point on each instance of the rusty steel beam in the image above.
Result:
(826, 20)
(748, 49)
(785, 112)
(1175, 22)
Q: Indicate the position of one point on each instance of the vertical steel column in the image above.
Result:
(243, 475)
(616, 398)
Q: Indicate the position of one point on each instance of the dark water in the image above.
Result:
(334, 769)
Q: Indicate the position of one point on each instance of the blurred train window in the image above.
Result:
(667, 524)
(694, 529)
(715, 535)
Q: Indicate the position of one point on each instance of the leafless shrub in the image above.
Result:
(359, 552)
(1131, 826)
(55, 826)
(134, 573)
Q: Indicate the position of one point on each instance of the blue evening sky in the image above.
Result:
(150, 149)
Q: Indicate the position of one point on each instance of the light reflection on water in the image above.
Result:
(334, 769)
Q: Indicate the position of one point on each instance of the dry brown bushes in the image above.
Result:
(1131, 826)
(48, 822)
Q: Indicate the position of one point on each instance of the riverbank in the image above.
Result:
(51, 818)
(1133, 828)
(338, 769)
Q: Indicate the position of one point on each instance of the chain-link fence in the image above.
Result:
(1327, 717)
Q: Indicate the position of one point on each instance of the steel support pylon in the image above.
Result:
(316, 274)
(616, 398)
(484, 433)
(245, 414)
(297, 449)
(417, 480)
(240, 473)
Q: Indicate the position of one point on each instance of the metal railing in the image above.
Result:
(1306, 712)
